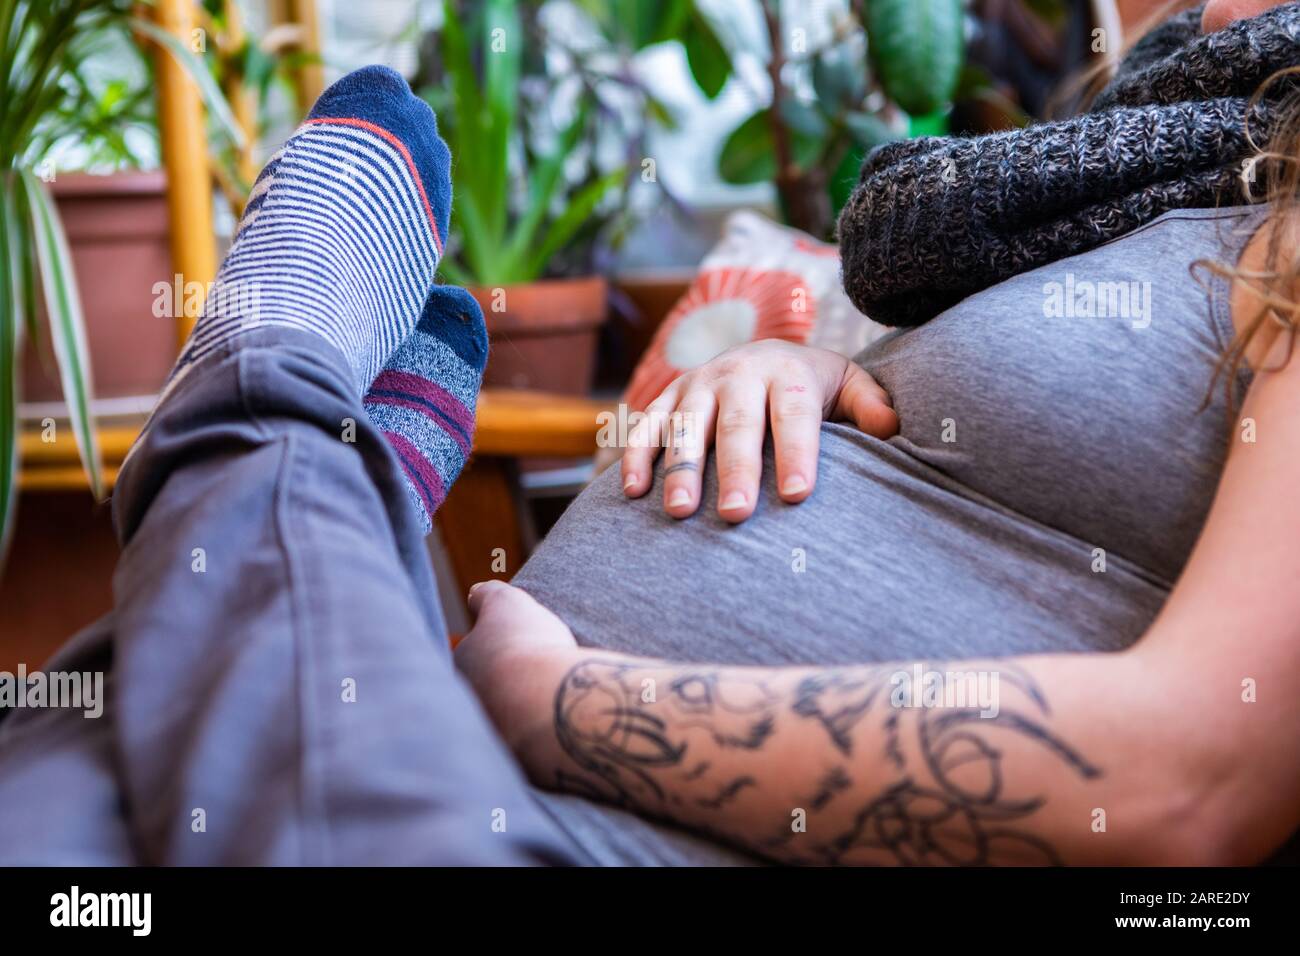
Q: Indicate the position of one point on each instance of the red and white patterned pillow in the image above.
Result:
(762, 280)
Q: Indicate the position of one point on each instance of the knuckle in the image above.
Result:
(790, 366)
(796, 408)
(724, 366)
(736, 419)
(696, 396)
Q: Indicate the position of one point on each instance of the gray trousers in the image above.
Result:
(278, 680)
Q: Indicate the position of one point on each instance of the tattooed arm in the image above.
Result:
(851, 765)
(1052, 759)
(911, 764)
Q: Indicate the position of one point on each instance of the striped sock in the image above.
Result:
(424, 399)
(343, 231)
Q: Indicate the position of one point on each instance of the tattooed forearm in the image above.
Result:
(835, 766)
(836, 781)
(727, 793)
(838, 699)
(629, 728)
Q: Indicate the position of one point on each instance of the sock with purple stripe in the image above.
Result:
(424, 398)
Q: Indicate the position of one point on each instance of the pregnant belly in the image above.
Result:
(888, 560)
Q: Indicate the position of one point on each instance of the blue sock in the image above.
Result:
(341, 237)
(343, 231)
(424, 399)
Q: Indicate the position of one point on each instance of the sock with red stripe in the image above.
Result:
(424, 399)
(341, 237)
(343, 230)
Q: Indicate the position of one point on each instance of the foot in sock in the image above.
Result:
(424, 399)
(343, 230)
(341, 237)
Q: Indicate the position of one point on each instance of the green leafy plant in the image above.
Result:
(884, 61)
(504, 234)
(633, 25)
(580, 65)
(627, 104)
(48, 98)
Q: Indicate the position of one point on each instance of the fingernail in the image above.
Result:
(734, 500)
(629, 482)
(679, 497)
(793, 485)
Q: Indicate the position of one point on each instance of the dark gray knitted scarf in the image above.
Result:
(935, 219)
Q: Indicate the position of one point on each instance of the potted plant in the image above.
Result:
(521, 250)
(886, 68)
(504, 238)
(50, 97)
(607, 58)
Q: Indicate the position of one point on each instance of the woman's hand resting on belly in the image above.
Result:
(730, 399)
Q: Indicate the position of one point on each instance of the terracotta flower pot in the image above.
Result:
(544, 333)
(118, 232)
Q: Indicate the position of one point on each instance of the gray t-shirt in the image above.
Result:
(1050, 416)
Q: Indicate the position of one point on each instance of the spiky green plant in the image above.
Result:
(46, 100)
(482, 50)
